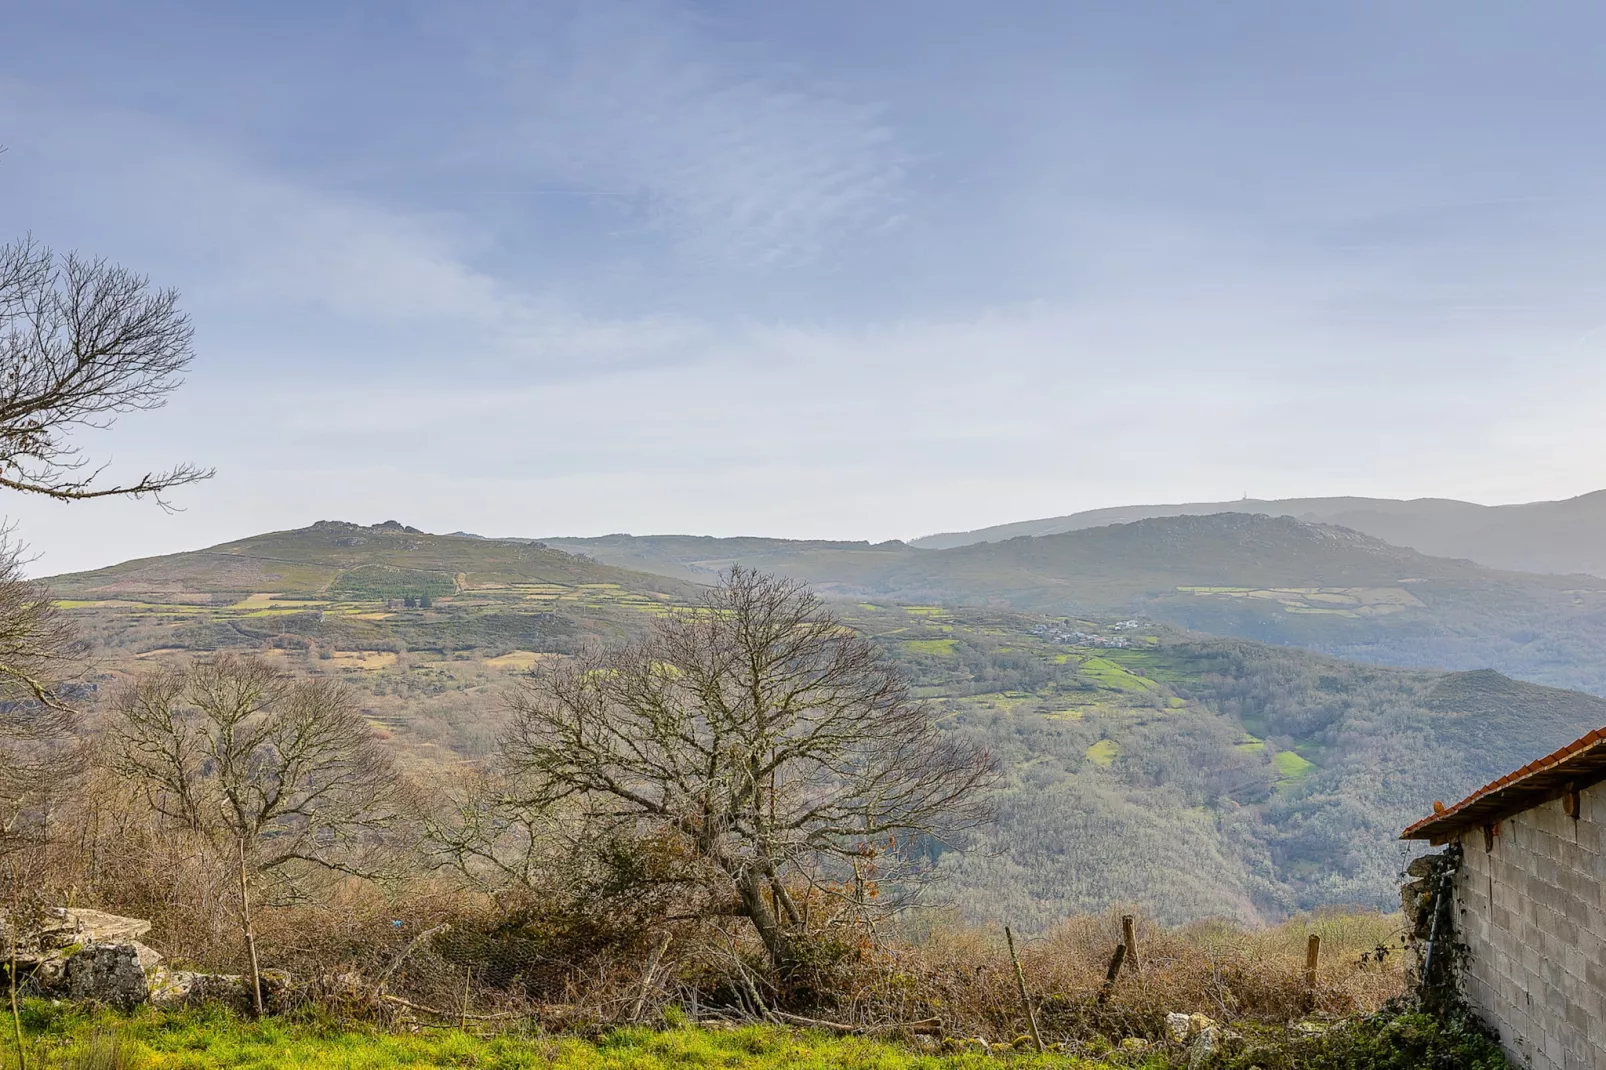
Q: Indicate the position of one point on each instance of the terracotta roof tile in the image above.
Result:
(1556, 762)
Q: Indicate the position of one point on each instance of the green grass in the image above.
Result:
(1104, 752)
(1107, 673)
(368, 582)
(942, 648)
(1291, 766)
(195, 1040)
(1008, 702)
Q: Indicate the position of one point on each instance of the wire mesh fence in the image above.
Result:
(489, 977)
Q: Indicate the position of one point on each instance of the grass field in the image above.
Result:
(60, 1038)
(1291, 766)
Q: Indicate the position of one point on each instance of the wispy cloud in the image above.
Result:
(591, 264)
(249, 235)
(730, 154)
(280, 268)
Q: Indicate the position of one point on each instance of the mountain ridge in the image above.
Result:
(1563, 536)
(1271, 579)
(309, 560)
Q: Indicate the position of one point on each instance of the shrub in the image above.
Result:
(1394, 1039)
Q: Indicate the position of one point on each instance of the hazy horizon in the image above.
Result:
(36, 559)
(832, 272)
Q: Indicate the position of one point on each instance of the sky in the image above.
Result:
(832, 269)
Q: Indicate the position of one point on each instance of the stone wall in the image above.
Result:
(1533, 914)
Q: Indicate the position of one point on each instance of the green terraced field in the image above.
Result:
(942, 648)
(1290, 766)
(1107, 673)
(1104, 752)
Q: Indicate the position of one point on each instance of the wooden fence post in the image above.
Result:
(1129, 938)
(1113, 972)
(1313, 953)
(1020, 982)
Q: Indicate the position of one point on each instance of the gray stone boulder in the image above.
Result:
(98, 927)
(68, 928)
(108, 973)
(94, 957)
(86, 955)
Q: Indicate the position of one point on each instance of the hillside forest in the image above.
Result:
(1179, 773)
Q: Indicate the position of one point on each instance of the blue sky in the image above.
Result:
(828, 269)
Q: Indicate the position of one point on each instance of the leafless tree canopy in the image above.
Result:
(280, 773)
(80, 341)
(282, 770)
(37, 651)
(779, 748)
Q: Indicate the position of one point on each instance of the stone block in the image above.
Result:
(1574, 967)
(1562, 931)
(1533, 914)
(107, 973)
(1586, 837)
(1577, 1019)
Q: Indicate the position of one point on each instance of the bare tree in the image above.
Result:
(81, 340)
(779, 749)
(37, 651)
(276, 772)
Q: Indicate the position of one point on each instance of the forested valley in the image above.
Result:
(1181, 774)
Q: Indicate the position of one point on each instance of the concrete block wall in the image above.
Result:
(1533, 914)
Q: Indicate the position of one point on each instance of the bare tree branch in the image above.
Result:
(38, 651)
(81, 341)
(779, 748)
(233, 749)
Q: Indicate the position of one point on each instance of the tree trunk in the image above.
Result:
(250, 935)
(777, 942)
(12, 923)
(783, 898)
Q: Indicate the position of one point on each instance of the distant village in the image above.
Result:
(1056, 633)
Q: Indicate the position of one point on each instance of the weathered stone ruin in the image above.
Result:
(92, 956)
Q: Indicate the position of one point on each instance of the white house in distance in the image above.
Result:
(1531, 904)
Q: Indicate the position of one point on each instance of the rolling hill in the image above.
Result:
(1561, 537)
(362, 595)
(318, 562)
(1272, 579)
(1189, 775)
(700, 558)
(1195, 776)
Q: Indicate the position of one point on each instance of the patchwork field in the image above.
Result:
(1340, 601)
(1187, 776)
(1269, 579)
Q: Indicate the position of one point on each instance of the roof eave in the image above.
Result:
(1535, 784)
